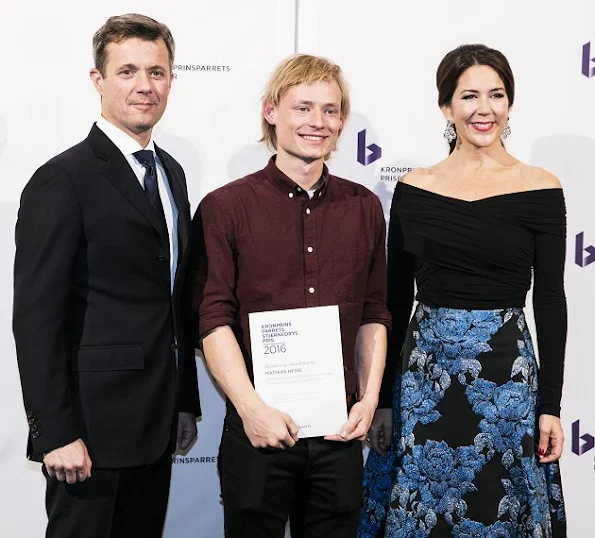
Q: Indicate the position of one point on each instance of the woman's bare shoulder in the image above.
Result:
(539, 178)
(420, 177)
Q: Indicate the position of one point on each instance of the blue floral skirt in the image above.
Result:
(463, 460)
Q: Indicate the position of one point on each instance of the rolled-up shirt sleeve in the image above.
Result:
(375, 304)
(214, 267)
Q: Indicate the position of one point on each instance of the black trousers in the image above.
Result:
(317, 483)
(113, 503)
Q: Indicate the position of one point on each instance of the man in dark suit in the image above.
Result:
(104, 338)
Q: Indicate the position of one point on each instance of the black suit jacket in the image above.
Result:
(94, 320)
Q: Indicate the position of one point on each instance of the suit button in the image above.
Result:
(35, 435)
(161, 259)
(174, 347)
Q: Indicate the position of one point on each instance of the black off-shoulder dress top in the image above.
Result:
(480, 254)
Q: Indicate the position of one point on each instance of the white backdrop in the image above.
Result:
(389, 52)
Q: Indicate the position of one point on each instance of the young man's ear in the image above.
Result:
(269, 111)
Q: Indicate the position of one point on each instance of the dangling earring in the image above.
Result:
(506, 131)
(449, 133)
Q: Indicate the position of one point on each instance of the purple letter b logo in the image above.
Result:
(589, 441)
(375, 151)
(588, 70)
(579, 255)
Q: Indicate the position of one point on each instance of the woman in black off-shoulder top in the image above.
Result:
(471, 445)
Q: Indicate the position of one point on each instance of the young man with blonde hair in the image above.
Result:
(293, 236)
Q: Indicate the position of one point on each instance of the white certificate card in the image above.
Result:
(298, 366)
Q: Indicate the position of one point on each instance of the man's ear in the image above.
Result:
(269, 111)
(97, 79)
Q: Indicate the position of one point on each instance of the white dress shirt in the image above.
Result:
(128, 145)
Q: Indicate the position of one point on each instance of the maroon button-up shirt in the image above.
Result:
(263, 244)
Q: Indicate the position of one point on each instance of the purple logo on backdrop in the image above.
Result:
(375, 151)
(588, 440)
(580, 258)
(588, 69)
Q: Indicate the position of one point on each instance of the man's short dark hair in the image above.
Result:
(131, 25)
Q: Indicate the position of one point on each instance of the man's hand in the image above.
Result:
(380, 433)
(267, 427)
(186, 430)
(358, 422)
(70, 463)
(551, 438)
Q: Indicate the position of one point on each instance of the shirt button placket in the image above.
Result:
(311, 258)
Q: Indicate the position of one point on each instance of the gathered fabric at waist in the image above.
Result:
(444, 309)
(465, 303)
(440, 286)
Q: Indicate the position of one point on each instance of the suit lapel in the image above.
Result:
(176, 184)
(119, 173)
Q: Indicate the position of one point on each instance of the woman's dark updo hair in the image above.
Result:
(462, 58)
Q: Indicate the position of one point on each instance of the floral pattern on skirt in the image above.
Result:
(462, 461)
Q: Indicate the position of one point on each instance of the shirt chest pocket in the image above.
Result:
(351, 267)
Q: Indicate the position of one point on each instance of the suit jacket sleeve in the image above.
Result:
(48, 234)
(189, 395)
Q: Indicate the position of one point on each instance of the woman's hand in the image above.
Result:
(551, 439)
(381, 431)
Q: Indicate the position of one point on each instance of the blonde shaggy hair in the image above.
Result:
(295, 70)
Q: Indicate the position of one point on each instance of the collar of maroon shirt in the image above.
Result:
(286, 185)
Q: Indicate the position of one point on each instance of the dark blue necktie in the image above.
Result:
(147, 159)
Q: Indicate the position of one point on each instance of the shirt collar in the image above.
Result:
(125, 143)
(289, 187)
